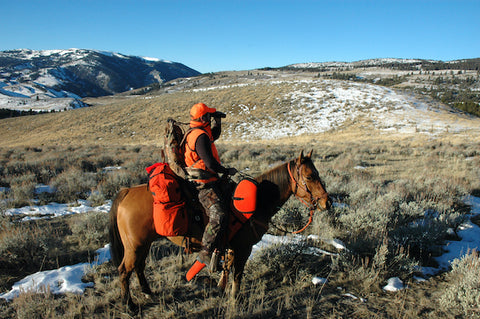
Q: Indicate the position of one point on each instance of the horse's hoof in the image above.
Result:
(132, 307)
(148, 296)
(147, 291)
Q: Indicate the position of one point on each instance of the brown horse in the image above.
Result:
(132, 230)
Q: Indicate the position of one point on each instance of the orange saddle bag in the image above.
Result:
(169, 208)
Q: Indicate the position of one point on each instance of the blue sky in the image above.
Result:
(212, 36)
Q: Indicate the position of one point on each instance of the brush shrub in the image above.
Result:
(90, 230)
(464, 292)
(113, 181)
(283, 261)
(292, 255)
(25, 245)
(23, 189)
(291, 217)
(73, 184)
(367, 272)
(96, 198)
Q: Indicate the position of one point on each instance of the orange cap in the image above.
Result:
(199, 110)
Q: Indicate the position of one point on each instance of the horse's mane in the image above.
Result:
(277, 175)
(275, 183)
(273, 186)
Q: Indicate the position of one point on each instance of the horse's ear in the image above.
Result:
(309, 155)
(300, 158)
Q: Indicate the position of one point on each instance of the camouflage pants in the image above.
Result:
(210, 197)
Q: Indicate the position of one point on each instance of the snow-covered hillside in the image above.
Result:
(58, 79)
(315, 106)
(37, 96)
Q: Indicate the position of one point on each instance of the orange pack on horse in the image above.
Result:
(132, 228)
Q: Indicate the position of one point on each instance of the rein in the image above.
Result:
(312, 206)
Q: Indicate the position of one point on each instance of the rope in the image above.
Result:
(310, 219)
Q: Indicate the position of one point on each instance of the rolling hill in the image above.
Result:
(261, 105)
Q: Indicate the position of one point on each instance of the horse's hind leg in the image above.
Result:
(140, 269)
(125, 271)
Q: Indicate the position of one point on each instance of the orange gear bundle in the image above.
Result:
(245, 196)
(244, 204)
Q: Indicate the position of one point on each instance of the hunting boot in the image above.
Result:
(194, 270)
(206, 259)
(203, 259)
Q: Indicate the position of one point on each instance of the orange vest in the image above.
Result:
(192, 159)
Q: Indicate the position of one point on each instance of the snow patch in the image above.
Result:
(52, 210)
(319, 281)
(59, 281)
(394, 284)
(470, 235)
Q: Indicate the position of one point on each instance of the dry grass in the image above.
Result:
(379, 175)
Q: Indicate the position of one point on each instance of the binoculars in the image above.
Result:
(219, 115)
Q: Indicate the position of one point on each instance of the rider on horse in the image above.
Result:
(204, 166)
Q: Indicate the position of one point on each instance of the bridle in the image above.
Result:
(312, 206)
(303, 185)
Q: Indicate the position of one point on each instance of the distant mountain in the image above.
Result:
(58, 79)
(393, 63)
(362, 63)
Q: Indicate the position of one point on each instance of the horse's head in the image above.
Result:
(306, 183)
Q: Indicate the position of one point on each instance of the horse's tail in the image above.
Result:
(116, 245)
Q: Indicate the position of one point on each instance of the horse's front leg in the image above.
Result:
(240, 260)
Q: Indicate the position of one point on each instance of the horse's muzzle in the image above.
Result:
(329, 204)
(324, 204)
